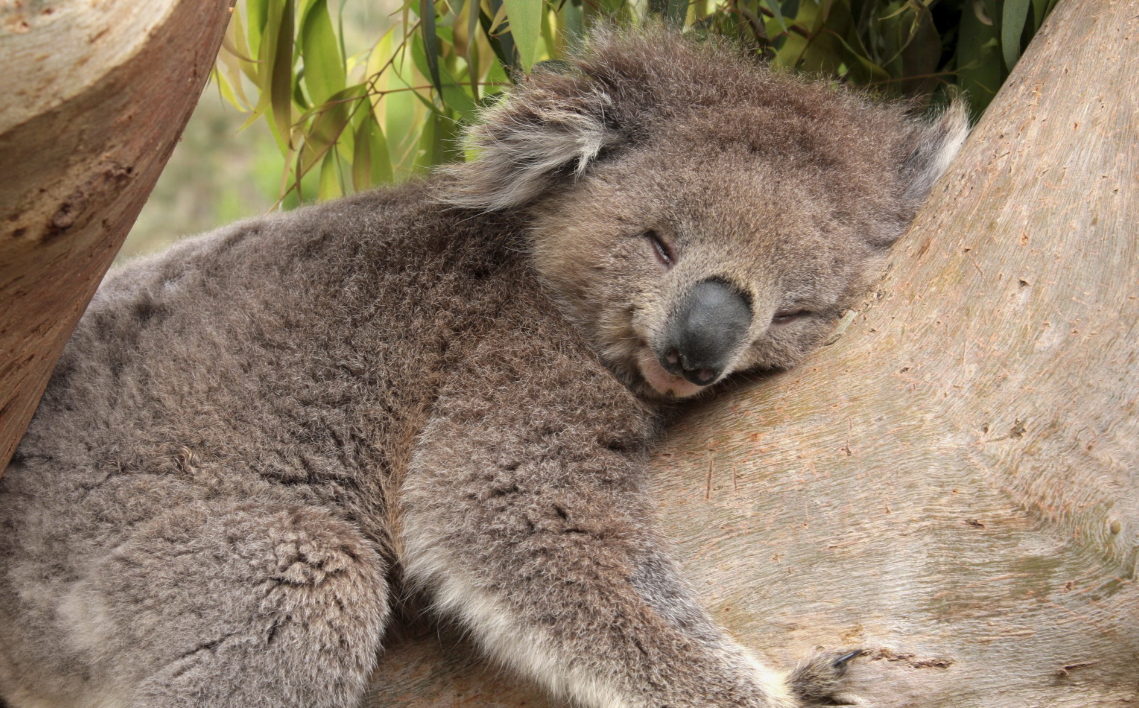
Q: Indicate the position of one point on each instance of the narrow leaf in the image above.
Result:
(241, 41)
(281, 83)
(329, 187)
(340, 28)
(473, 47)
(328, 124)
(377, 69)
(501, 44)
(371, 164)
(525, 17)
(362, 157)
(776, 12)
(672, 10)
(324, 66)
(573, 19)
(257, 12)
(1012, 24)
(978, 61)
(451, 92)
(430, 42)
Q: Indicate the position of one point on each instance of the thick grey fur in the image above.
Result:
(252, 434)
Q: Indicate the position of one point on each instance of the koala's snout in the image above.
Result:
(705, 331)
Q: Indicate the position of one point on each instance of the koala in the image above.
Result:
(255, 442)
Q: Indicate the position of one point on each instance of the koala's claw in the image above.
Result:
(817, 680)
(841, 662)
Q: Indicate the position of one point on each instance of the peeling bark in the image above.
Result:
(952, 485)
(96, 94)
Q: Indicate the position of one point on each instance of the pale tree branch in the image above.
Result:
(95, 95)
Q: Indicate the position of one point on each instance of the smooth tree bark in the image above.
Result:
(95, 94)
(952, 484)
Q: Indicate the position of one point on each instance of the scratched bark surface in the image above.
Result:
(93, 97)
(953, 483)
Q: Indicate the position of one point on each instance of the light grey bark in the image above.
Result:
(93, 97)
(952, 484)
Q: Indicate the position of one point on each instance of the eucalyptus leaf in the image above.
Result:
(371, 163)
(501, 44)
(472, 10)
(287, 61)
(257, 12)
(1012, 25)
(525, 17)
(979, 63)
(776, 12)
(281, 67)
(431, 42)
(323, 64)
(329, 178)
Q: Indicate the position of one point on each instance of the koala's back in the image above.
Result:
(285, 361)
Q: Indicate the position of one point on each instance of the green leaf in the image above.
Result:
(453, 95)
(873, 70)
(500, 44)
(473, 47)
(427, 153)
(674, 11)
(573, 19)
(371, 163)
(340, 28)
(257, 12)
(329, 178)
(979, 61)
(525, 17)
(430, 42)
(362, 160)
(324, 67)
(1012, 24)
(776, 12)
(328, 124)
(281, 26)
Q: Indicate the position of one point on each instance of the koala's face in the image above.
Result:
(696, 215)
(684, 263)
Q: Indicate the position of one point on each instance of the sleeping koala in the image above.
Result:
(452, 385)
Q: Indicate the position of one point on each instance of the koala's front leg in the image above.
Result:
(523, 518)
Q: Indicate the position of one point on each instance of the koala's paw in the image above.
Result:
(818, 680)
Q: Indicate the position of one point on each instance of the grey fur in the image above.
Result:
(249, 434)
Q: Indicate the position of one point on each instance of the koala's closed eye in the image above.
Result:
(788, 316)
(662, 249)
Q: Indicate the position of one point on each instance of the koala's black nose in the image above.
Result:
(703, 334)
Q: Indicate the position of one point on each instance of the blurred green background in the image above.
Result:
(314, 99)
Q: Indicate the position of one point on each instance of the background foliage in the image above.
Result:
(358, 93)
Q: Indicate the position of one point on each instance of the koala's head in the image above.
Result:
(695, 213)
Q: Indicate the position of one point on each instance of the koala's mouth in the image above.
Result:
(661, 381)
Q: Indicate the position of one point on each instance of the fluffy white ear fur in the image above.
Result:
(552, 126)
(934, 147)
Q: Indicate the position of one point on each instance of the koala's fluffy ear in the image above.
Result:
(552, 126)
(930, 150)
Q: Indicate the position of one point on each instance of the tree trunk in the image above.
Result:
(952, 484)
(95, 95)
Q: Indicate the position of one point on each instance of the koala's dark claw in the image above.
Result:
(842, 661)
